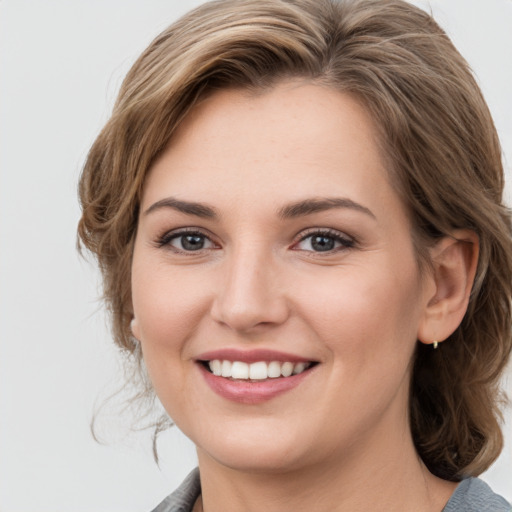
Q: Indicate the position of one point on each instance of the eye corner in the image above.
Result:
(188, 241)
(323, 241)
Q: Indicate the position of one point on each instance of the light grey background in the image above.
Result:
(61, 63)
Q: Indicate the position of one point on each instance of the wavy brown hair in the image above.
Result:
(437, 135)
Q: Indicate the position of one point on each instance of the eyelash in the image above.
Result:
(344, 241)
(166, 239)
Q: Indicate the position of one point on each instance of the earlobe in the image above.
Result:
(454, 263)
(134, 326)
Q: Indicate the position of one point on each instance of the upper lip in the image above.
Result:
(251, 356)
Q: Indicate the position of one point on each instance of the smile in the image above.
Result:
(253, 377)
(260, 370)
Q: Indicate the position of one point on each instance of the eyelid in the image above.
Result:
(165, 239)
(347, 240)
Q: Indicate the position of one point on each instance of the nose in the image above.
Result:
(250, 297)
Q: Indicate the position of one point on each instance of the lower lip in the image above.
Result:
(252, 392)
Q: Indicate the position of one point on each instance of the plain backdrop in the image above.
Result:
(61, 64)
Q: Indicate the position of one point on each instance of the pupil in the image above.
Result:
(192, 242)
(322, 243)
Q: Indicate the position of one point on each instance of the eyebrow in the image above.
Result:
(190, 208)
(310, 206)
(293, 210)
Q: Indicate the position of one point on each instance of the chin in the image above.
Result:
(254, 459)
(256, 450)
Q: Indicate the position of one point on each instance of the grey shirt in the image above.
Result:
(471, 495)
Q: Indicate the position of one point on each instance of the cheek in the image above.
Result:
(164, 328)
(366, 311)
(167, 305)
(368, 325)
(168, 308)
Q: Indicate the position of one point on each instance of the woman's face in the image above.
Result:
(270, 241)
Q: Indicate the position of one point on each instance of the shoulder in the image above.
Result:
(474, 495)
(184, 497)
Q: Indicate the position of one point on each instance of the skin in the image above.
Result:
(258, 282)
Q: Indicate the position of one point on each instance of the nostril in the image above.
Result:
(248, 296)
(250, 313)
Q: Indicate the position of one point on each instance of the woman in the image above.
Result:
(296, 207)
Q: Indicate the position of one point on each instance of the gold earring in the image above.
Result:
(435, 344)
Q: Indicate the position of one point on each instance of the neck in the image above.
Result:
(378, 477)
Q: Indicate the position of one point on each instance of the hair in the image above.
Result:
(439, 141)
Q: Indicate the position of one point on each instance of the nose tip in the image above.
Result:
(250, 298)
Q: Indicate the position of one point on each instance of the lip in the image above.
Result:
(251, 356)
(253, 392)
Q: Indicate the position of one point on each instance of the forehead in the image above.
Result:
(293, 139)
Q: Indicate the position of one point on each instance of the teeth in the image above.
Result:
(240, 370)
(226, 369)
(287, 369)
(216, 367)
(258, 371)
(255, 371)
(274, 369)
(299, 368)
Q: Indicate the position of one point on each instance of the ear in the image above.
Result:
(454, 262)
(134, 326)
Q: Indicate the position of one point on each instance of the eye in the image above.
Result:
(186, 241)
(323, 241)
